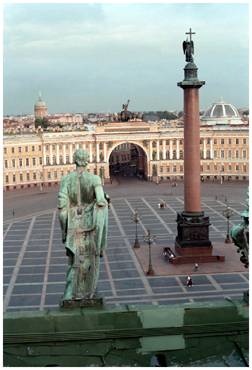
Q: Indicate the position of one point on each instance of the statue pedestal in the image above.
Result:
(81, 303)
(192, 242)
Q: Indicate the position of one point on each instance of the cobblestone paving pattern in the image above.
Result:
(35, 261)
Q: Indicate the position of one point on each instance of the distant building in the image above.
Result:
(40, 108)
(43, 158)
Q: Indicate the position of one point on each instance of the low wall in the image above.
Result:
(202, 334)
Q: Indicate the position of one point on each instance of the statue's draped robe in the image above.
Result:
(83, 215)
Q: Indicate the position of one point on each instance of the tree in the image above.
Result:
(43, 122)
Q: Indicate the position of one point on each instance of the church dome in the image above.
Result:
(221, 113)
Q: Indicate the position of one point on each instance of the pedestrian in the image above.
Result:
(196, 267)
(189, 282)
(13, 212)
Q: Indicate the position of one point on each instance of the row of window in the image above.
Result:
(38, 176)
(222, 141)
(221, 168)
(230, 154)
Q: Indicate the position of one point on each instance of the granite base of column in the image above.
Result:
(192, 244)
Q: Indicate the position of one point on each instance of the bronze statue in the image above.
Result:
(125, 106)
(83, 215)
(188, 47)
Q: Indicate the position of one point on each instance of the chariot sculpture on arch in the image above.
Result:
(83, 215)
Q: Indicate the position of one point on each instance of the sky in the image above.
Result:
(92, 57)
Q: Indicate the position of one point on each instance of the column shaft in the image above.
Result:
(192, 150)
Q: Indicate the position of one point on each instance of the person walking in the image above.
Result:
(189, 282)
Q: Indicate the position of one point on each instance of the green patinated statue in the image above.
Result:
(83, 215)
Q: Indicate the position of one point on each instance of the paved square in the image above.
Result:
(35, 261)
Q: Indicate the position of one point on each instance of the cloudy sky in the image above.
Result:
(93, 57)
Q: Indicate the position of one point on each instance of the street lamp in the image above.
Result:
(228, 213)
(149, 239)
(136, 219)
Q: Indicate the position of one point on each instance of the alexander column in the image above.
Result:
(193, 227)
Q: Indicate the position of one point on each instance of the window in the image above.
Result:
(222, 168)
(167, 154)
(215, 154)
(14, 178)
(33, 148)
(47, 147)
(6, 163)
(34, 176)
(67, 146)
(39, 147)
(181, 154)
(229, 167)
(244, 141)
(19, 149)
(101, 146)
(208, 154)
(237, 141)
(12, 150)
(28, 176)
(60, 146)
(244, 154)
(53, 146)
(26, 149)
(34, 161)
(181, 168)
(215, 167)
(160, 155)
(167, 142)
(54, 160)
(40, 160)
(208, 167)
(229, 141)
(174, 154)
(5, 150)
(161, 169)
(175, 142)
(154, 144)
(174, 169)
(67, 159)
(244, 168)
(20, 162)
(208, 141)
(55, 174)
(222, 141)
(181, 142)
(21, 177)
(47, 160)
(201, 154)
(61, 159)
(237, 154)
(13, 163)
(215, 141)
(222, 154)
(230, 154)
(62, 173)
(237, 167)
(27, 161)
(7, 179)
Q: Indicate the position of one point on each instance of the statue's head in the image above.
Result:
(81, 157)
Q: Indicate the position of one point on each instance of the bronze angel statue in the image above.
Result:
(188, 49)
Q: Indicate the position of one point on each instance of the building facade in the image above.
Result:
(42, 159)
